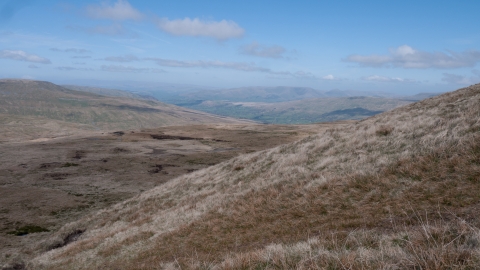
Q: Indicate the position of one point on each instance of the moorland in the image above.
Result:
(394, 190)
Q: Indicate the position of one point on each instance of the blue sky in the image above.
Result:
(395, 46)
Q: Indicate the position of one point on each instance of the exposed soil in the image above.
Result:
(48, 183)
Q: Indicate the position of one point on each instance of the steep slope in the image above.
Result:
(37, 101)
(397, 190)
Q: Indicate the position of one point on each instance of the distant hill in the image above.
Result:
(107, 92)
(303, 111)
(420, 96)
(38, 104)
(255, 94)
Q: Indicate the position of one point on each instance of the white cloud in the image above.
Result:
(120, 11)
(329, 77)
(407, 57)
(129, 69)
(23, 56)
(377, 78)
(256, 49)
(220, 30)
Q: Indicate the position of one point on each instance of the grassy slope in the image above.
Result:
(42, 100)
(303, 111)
(397, 190)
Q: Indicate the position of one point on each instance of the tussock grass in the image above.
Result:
(398, 190)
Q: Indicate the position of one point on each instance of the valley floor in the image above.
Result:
(48, 182)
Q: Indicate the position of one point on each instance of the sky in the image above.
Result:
(401, 47)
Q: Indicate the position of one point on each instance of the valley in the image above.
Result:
(46, 183)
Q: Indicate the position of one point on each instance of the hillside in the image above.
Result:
(37, 105)
(305, 111)
(398, 190)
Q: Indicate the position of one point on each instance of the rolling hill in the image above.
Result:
(31, 109)
(398, 190)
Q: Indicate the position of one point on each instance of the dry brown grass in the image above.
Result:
(348, 198)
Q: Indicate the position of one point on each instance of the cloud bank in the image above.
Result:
(23, 56)
(407, 57)
(256, 49)
(220, 30)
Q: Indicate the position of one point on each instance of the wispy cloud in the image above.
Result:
(256, 49)
(81, 56)
(115, 29)
(130, 69)
(241, 66)
(122, 59)
(377, 78)
(70, 50)
(120, 11)
(23, 56)
(66, 68)
(33, 66)
(407, 57)
(220, 30)
(463, 80)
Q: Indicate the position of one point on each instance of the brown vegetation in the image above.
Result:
(50, 183)
(347, 198)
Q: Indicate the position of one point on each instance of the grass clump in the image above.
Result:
(69, 164)
(28, 229)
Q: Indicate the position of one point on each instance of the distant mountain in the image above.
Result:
(303, 111)
(255, 94)
(354, 93)
(107, 92)
(39, 105)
